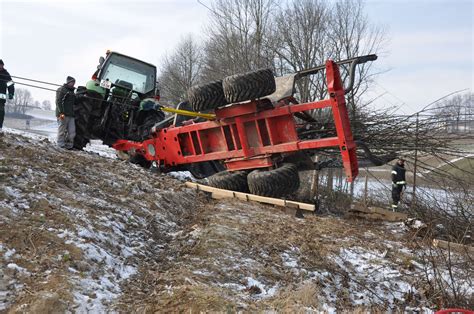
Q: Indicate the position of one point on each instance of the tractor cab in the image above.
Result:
(120, 76)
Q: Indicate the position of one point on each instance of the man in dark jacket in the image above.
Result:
(5, 83)
(398, 182)
(65, 99)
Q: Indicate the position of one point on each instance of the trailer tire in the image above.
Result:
(207, 96)
(248, 86)
(278, 182)
(234, 181)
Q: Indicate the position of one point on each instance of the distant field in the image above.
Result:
(462, 168)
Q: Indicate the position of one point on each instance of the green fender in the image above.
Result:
(95, 87)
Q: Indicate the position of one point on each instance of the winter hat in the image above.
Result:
(1, 62)
(70, 79)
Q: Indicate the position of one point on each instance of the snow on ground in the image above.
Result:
(91, 233)
(42, 114)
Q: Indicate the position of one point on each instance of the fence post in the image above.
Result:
(416, 160)
(366, 186)
(330, 179)
(314, 182)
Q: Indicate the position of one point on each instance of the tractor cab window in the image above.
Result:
(129, 73)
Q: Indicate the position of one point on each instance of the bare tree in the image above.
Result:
(455, 113)
(353, 35)
(21, 102)
(181, 70)
(300, 43)
(238, 37)
(46, 105)
(324, 31)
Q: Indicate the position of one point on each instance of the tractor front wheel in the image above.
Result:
(278, 182)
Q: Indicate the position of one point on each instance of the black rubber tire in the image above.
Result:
(87, 108)
(140, 160)
(201, 170)
(82, 109)
(278, 182)
(248, 86)
(227, 180)
(207, 96)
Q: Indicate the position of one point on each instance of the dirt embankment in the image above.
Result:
(81, 232)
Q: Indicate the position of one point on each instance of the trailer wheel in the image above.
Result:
(248, 86)
(278, 182)
(207, 96)
(234, 181)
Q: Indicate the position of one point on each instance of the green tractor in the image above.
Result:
(108, 107)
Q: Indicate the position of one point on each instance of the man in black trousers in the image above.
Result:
(398, 182)
(6, 83)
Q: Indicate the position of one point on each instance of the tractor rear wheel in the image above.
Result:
(234, 181)
(278, 182)
(81, 119)
(207, 96)
(248, 86)
(86, 110)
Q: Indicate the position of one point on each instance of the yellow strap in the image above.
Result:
(188, 113)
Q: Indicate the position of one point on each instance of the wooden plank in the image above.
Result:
(455, 247)
(221, 193)
(360, 210)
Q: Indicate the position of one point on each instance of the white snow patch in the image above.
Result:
(9, 253)
(17, 268)
(265, 292)
(97, 146)
(288, 258)
(378, 274)
(182, 175)
(15, 193)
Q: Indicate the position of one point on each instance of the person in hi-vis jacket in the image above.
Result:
(398, 182)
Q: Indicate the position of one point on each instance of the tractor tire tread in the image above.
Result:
(234, 181)
(278, 182)
(207, 96)
(248, 86)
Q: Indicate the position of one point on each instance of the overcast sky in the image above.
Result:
(430, 52)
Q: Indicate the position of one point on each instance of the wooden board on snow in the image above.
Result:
(220, 193)
(371, 212)
(455, 247)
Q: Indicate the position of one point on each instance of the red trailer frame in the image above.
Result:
(247, 135)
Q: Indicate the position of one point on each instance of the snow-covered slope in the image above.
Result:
(85, 232)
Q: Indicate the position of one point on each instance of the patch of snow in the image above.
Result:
(182, 175)
(265, 292)
(9, 253)
(15, 193)
(97, 147)
(370, 270)
(17, 268)
(288, 258)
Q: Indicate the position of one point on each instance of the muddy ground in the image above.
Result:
(85, 233)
